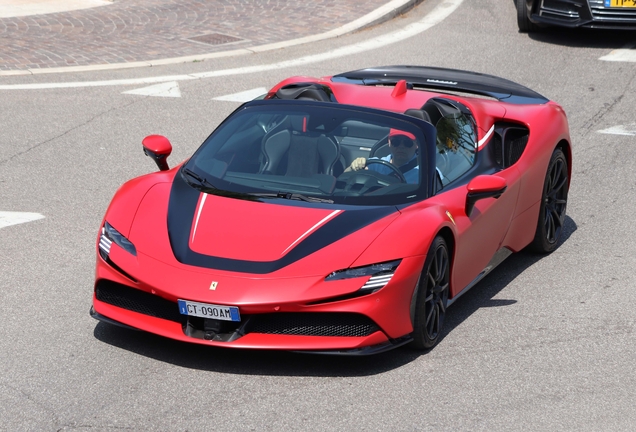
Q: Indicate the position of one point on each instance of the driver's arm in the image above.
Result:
(357, 164)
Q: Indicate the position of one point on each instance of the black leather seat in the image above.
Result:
(298, 151)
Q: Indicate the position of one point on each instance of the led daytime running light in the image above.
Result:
(109, 236)
(380, 274)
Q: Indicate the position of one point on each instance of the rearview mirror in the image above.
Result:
(483, 186)
(158, 148)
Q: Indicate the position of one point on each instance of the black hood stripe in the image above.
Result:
(181, 209)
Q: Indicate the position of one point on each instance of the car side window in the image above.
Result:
(456, 145)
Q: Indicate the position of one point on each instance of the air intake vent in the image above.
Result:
(497, 149)
(508, 144)
(137, 301)
(313, 324)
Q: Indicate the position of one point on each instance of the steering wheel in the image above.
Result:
(396, 170)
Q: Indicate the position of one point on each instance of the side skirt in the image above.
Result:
(497, 259)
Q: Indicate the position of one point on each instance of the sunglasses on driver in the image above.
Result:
(398, 141)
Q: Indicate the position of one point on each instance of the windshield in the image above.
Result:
(325, 152)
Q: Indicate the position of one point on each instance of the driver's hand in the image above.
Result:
(358, 164)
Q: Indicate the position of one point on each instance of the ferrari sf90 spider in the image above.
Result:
(340, 215)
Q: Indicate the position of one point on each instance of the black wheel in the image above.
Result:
(553, 205)
(432, 296)
(396, 171)
(523, 22)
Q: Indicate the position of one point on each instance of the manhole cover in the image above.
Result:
(215, 39)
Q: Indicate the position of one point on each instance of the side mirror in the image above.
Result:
(483, 186)
(158, 148)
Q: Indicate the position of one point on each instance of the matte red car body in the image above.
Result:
(265, 231)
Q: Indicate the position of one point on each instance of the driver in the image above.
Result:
(403, 148)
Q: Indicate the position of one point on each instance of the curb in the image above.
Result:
(382, 14)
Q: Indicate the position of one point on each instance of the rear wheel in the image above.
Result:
(523, 22)
(432, 296)
(553, 205)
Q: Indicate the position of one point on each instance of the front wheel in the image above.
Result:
(553, 205)
(523, 22)
(432, 296)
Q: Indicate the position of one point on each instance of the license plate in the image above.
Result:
(620, 3)
(205, 310)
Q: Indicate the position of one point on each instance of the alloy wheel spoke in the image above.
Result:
(430, 316)
(561, 184)
(556, 217)
(557, 174)
(551, 230)
(440, 304)
(433, 323)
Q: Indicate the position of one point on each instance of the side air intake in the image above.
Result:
(508, 144)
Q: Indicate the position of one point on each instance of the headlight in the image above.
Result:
(380, 274)
(109, 236)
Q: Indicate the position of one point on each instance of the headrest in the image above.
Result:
(304, 91)
(420, 114)
(298, 123)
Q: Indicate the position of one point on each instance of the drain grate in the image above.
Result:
(215, 39)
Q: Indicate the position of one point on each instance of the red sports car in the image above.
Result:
(338, 215)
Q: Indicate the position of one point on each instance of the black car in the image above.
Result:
(606, 14)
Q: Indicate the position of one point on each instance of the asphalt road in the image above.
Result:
(543, 343)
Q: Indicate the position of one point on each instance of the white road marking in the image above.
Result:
(168, 89)
(245, 96)
(629, 130)
(19, 8)
(437, 15)
(13, 218)
(625, 54)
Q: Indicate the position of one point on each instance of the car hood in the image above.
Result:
(179, 224)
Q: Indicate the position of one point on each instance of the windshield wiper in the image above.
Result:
(201, 182)
(292, 196)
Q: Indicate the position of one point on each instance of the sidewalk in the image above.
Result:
(128, 33)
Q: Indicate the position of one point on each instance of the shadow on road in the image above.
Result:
(275, 363)
(584, 38)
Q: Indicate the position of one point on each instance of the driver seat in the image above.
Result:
(298, 152)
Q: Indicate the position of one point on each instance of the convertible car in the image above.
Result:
(337, 215)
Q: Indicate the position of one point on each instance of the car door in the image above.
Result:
(480, 234)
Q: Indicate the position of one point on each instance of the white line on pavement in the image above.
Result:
(629, 130)
(167, 89)
(243, 96)
(437, 15)
(13, 218)
(625, 54)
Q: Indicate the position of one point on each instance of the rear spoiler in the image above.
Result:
(444, 79)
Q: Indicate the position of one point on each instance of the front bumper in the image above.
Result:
(589, 14)
(347, 325)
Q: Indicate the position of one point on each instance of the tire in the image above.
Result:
(523, 22)
(554, 201)
(432, 296)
